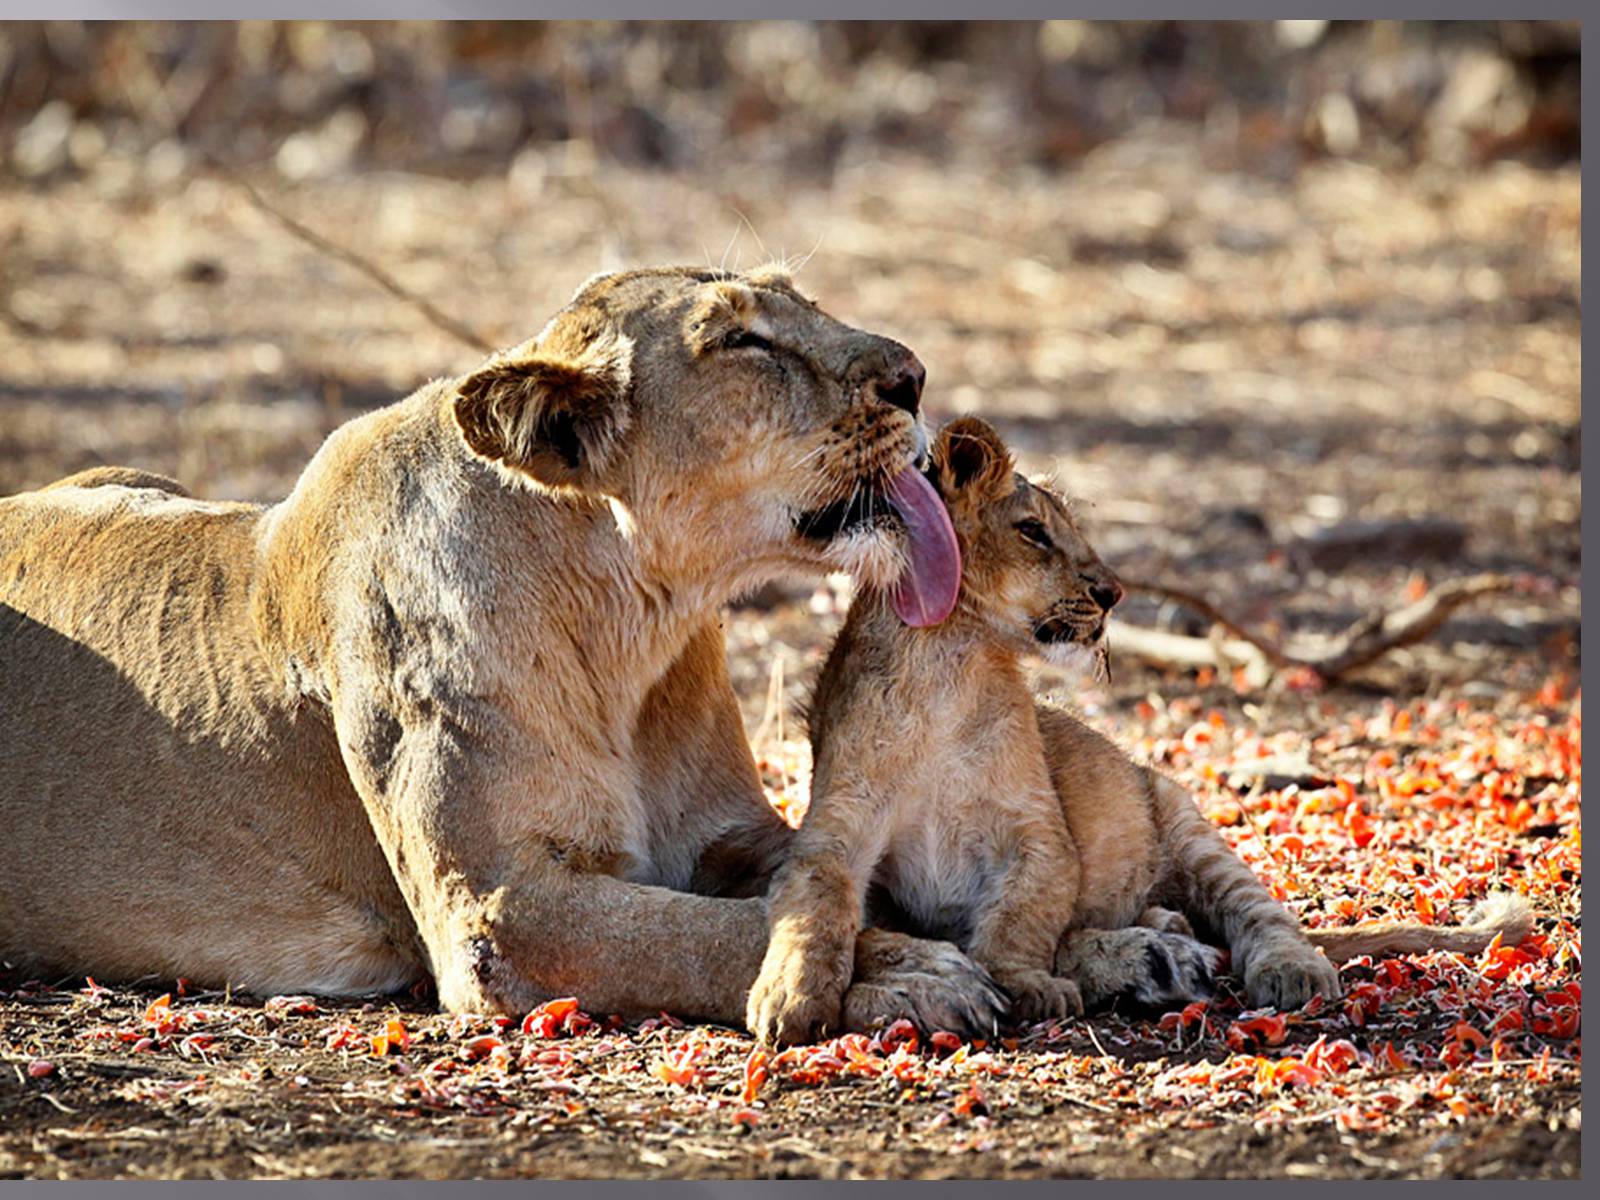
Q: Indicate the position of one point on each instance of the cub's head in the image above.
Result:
(734, 427)
(1029, 577)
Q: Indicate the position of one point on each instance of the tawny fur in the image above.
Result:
(929, 753)
(457, 705)
(929, 780)
(1503, 915)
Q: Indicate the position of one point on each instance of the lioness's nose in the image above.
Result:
(900, 384)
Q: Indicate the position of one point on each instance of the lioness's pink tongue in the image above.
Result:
(926, 593)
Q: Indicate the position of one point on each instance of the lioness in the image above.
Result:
(459, 705)
(946, 800)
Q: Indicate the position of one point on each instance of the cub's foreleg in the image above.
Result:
(1015, 936)
(1208, 882)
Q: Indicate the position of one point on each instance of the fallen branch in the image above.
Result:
(370, 269)
(1199, 604)
(1370, 639)
(1362, 643)
(1163, 649)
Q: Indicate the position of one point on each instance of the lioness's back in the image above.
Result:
(138, 723)
(118, 572)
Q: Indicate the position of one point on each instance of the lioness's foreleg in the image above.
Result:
(619, 947)
(638, 950)
(815, 910)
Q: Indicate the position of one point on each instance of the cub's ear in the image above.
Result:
(969, 458)
(558, 419)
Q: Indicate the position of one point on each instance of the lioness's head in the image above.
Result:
(737, 427)
(1029, 576)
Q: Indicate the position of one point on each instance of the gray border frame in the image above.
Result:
(722, 10)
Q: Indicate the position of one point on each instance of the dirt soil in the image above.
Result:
(1221, 366)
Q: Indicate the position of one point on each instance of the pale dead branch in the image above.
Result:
(1370, 639)
(350, 258)
(1233, 647)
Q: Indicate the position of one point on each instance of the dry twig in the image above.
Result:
(1362, 643)
(370, 269)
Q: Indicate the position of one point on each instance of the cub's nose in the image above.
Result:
(901, 383)
(1107, 593)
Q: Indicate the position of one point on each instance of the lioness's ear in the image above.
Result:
(969, 457)
(557, 419)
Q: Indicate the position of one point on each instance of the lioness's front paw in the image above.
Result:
(1038, 995)
(1274, 979)
(796, 998)
(932, 984)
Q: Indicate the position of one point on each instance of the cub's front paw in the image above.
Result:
(1288, 979)
(1165, 920)
(1140, 966)
(1038, 995)
(796, 998)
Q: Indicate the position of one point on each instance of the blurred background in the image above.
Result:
(466, 98)
(1292, 307)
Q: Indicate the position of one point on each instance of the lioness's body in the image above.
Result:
(174, 800)
(162, 787)
(457, 705)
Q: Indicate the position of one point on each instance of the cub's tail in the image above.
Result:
(1504, 914)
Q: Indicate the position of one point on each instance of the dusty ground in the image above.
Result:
(1218, 364)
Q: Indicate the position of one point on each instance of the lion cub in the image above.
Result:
(930, 784)
(947, 802)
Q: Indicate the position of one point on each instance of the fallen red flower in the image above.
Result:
(755, 1074)
(971, 1103)
(393, 1038)
(1270, 1030)
(557, 1017)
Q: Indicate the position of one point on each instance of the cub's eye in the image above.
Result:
(1035, 534)
(743, 339)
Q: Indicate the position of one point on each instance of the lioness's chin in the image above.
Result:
(1077, 660)
(874, 555)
